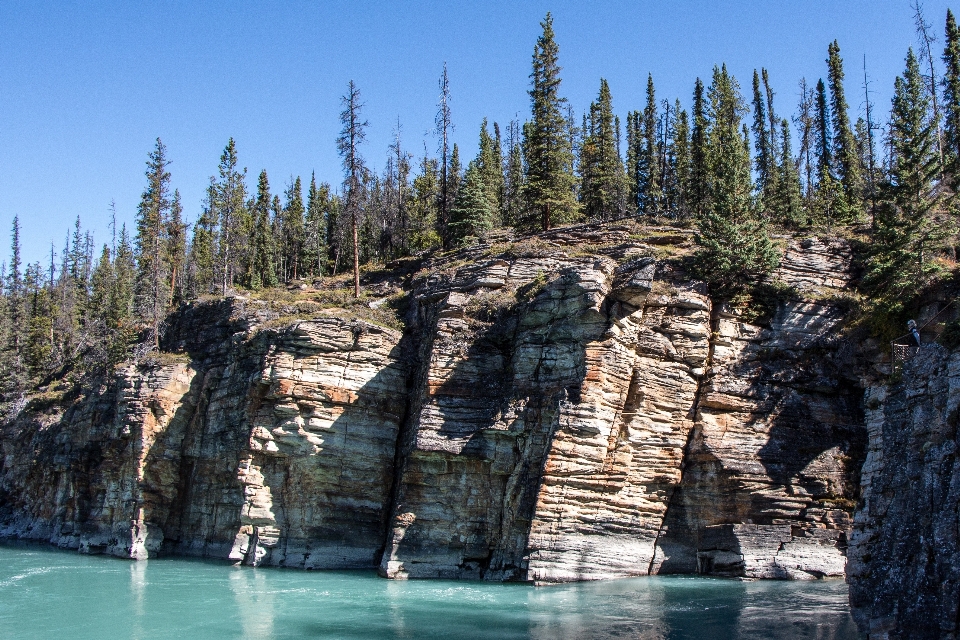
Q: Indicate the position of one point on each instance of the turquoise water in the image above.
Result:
(45, 593)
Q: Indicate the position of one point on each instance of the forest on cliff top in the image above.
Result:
(727, 168)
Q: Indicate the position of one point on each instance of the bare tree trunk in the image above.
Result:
(926, 39)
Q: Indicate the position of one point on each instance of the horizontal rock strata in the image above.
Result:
(567, 407)
(276, 448)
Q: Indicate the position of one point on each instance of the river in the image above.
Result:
(46, 593)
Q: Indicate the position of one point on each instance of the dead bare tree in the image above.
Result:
(348, 143)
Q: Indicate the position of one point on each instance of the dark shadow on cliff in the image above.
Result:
(815, 408)
(806, 402)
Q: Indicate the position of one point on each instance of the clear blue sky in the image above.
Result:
(86, 87)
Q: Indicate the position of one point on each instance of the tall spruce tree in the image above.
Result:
(292, 229)
(490, 164)
(771, 115)
(649, 170)
(765, 161)
(263, 271)
(227, 202)
(201, 259)
(176, 248)
(951, 100)
(681, 156)
(788, 205)
(844, 144)
(548, 187)
(806, 131)
(318, 204)
(908, 224)
(514, 179)
(829, 196)
(472, 213)
(444, 125)
(823, 151)
(633, 159)
(423, 210)
(153, 217)
(699, 183)
(601, 170)
(734, 247)
(16, 309)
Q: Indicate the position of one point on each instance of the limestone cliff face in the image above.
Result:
(565, 409)
(904, 571)
(269, 447)
(615, 424)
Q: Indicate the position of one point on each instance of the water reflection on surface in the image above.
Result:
(254, 600)
(97, 597)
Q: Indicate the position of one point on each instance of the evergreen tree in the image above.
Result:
(404, 195)
(315, 251)
(951, 100)
(153, 268)
(121, 297)
(262, 267)
(15, 369)
(40, 334)
(548, 187)
(472, 213)
(829, 196)
(908, 221)
(788, 206)
(734, 245)
(807, 127)
(490, 164)
(765, 160)
(227, 201)
(633, 160)
(649, 184)
(292, 229)
(454, 175)
(176, 249)
(823, 151)
(699, 183)
(201, 262)
(771, 115)
(681, 159)
(513, 187)
(444, 124)
(601, 170)
(426, 187)
(845, 150)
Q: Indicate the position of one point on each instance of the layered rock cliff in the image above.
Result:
(564, 408)
(904, 571)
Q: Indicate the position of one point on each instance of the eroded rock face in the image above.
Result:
(774, 459)
(616, 425)
(275, 448)
(554, 415)
(904, 569)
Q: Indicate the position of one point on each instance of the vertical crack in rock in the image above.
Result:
(657, 559)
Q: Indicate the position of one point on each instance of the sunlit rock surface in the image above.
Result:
(568, 407)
